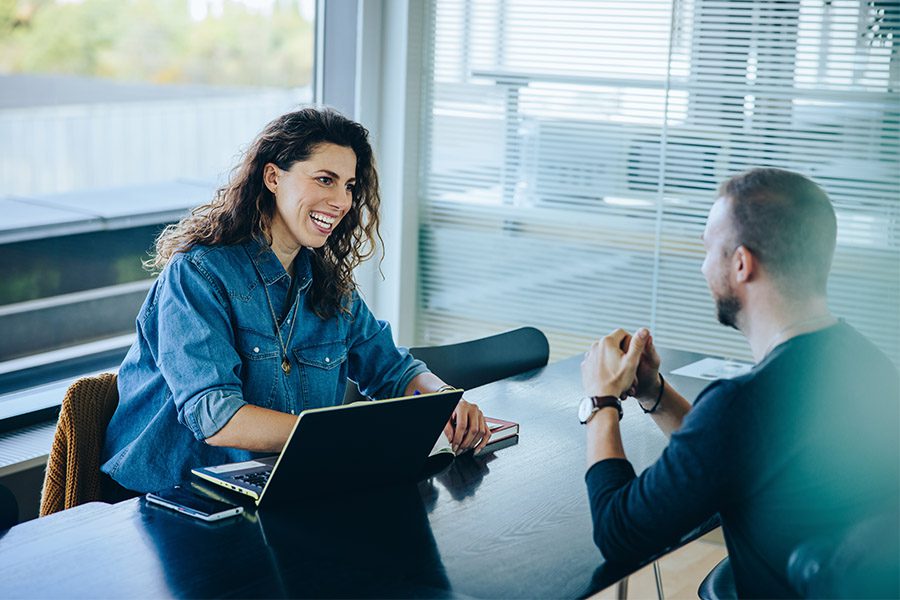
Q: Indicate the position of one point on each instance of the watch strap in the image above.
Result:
(607, 402)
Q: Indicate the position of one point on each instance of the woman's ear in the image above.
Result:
(270, 177)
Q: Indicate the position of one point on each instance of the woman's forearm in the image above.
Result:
(424, 383)
(255, 428)
(263, 430)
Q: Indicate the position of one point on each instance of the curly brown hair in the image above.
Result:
(244, 207)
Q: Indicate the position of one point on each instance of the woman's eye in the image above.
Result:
(325, 180)
(351, 187)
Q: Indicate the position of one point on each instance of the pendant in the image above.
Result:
(286, 366)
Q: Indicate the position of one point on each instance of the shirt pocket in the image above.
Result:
(323, 373)
(260, 366)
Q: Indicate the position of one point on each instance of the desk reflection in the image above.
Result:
(371, 544)
(377, 543)
(464, 475)
(208, 559)
(463, 478)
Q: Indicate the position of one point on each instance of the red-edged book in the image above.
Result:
(503, 434)
(500, 429)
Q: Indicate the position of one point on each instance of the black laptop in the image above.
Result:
(340, 448)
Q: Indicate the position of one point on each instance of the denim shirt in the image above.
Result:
(207, 345)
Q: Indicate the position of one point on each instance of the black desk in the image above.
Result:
(512, 524)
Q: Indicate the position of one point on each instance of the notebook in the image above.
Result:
(339, 448)
(503, 435)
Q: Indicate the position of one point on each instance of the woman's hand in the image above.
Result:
(467, 428)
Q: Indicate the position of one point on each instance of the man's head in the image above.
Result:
(778, 221)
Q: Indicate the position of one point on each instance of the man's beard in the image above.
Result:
(727, 308)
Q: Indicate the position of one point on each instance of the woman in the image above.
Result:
(255, 315)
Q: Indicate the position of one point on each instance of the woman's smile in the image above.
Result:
(323, 222)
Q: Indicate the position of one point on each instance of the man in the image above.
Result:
(804, 445)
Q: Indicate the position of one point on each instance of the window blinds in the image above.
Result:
(572, 150)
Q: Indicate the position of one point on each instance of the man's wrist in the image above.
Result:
(646, 402)
(603, 418)
(652, 405)
(592, 405)
(605, 390)
(650, 396)
(602, 423)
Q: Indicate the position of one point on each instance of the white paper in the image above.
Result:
(441, 445)
(713, 368)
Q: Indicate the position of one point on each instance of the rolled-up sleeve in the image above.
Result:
(206, 414)
(196, 349)
(380, 367)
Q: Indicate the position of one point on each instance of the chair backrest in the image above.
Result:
(73, 467)
(719, 583)
(476, 362)
(860, 562)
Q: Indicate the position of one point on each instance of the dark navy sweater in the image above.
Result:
(801, 446)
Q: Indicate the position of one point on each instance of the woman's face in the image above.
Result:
(311, 197)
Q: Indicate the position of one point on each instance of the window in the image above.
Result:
(116, 117)
(573, 150)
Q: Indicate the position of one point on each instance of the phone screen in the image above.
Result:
(185, 501)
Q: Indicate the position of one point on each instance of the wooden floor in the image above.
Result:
(682, 571)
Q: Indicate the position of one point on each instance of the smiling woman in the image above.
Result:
(310, 199)
(255, 315)
(300, 152)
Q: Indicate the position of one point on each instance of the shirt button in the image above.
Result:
(327, 359)
(256, 348)
(292, 411)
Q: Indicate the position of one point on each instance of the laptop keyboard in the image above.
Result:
(257, 479)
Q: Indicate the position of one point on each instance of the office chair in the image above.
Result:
(9, 508)
(858, 562)
(719, 583)
(476, 362)
(73, 467)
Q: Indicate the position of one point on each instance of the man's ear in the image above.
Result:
(745, 264)
(270, 177)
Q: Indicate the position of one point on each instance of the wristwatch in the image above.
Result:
(591, 404)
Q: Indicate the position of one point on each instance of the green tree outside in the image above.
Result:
(158, 41)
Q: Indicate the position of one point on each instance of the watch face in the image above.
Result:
(585, 409)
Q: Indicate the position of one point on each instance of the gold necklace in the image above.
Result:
(285, 363)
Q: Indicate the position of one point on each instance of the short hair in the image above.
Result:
(789, 224)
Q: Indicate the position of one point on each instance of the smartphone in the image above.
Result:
(189, 503)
